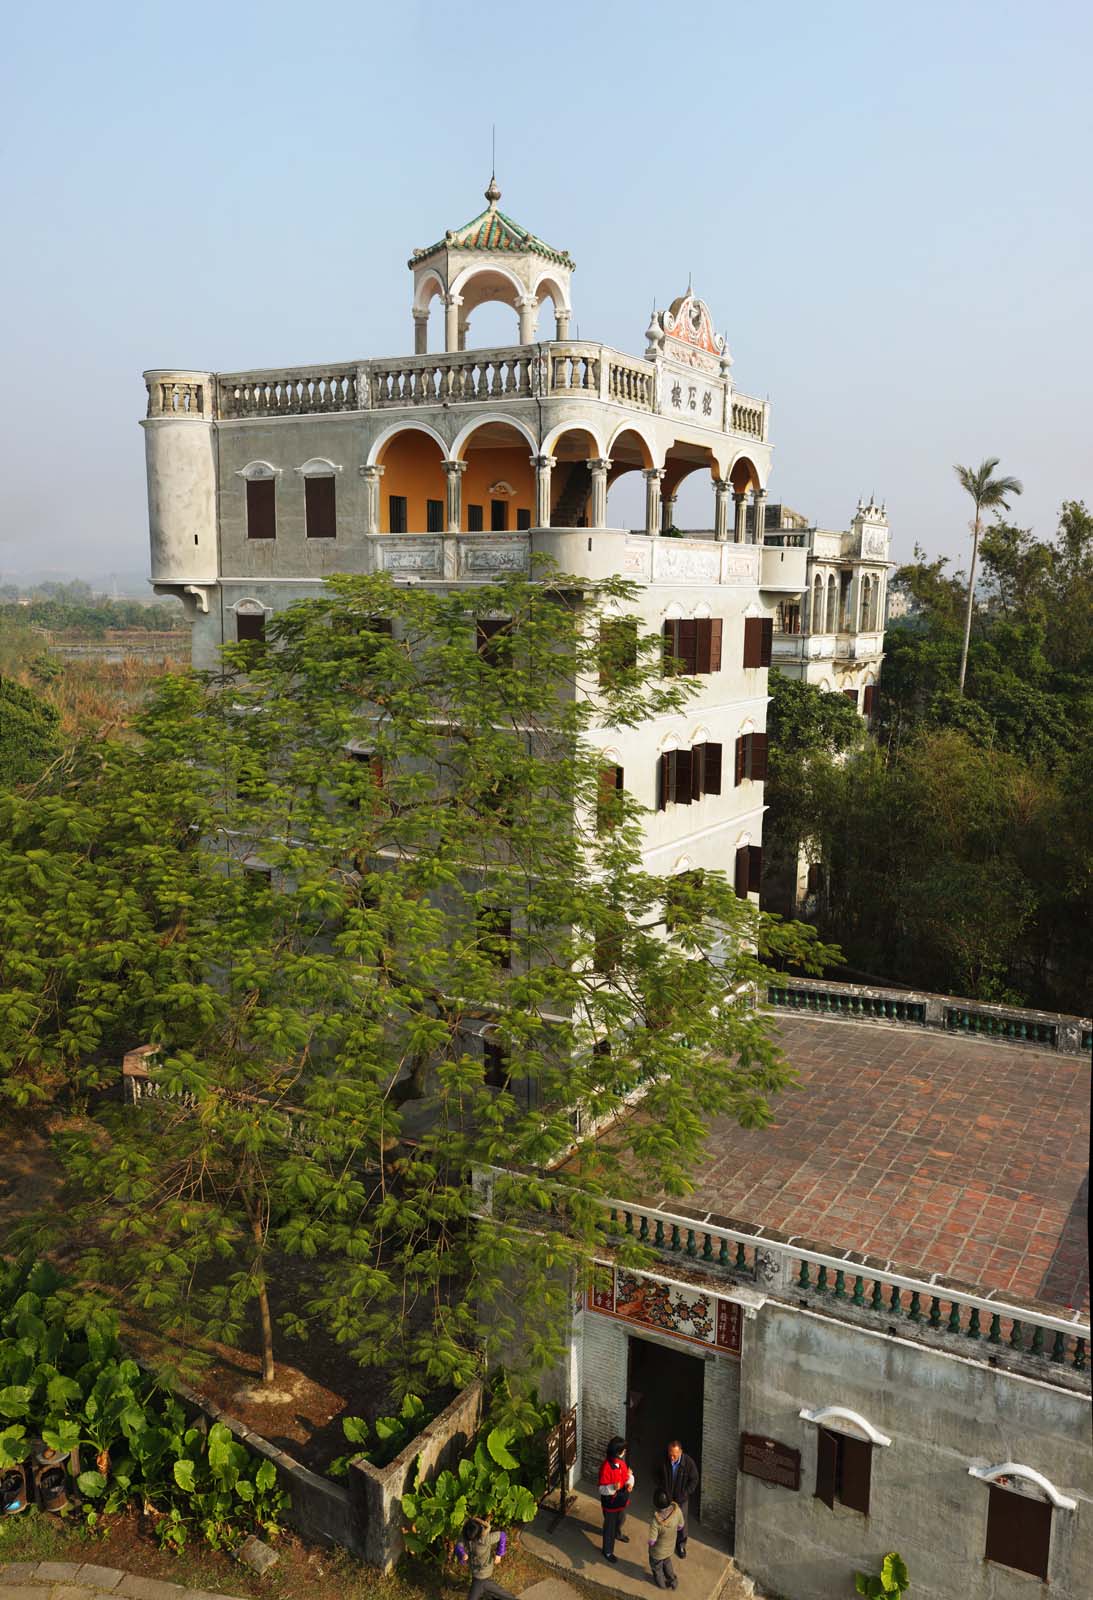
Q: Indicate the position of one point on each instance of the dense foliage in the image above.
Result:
(389, 869)
(28, 733)
(65, 1379)
(86, 613)
(957, 847)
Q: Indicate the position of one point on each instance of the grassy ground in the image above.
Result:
(303, 1570)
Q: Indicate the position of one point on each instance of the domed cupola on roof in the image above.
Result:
(489, 258)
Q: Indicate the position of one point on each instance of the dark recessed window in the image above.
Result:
(261, 508)
(523, 520)
(751, 758)
(758, 641)
(396, 513)
(494, 640)
(496, 1059)
(748, 874)
(319, 510)
(499, 516)
(250, 626)
(692, 645)
(686, 775)
(434, 516)
(607, 798)
(474, 519)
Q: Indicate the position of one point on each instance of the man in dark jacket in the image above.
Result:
(678, 1477)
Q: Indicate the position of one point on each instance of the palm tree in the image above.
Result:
(986, 492)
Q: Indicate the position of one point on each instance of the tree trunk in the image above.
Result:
(971, 599)
(268, 1372)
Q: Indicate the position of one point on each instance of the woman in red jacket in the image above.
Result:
(616, 1482)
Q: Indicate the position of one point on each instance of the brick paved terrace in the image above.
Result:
(937, 1152)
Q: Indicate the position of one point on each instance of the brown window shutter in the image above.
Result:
(1018, 1531)
(851, 694)
(755, 867)
(320, 518)
(681, 789)
(766, 640)
(671, 647)
(758, 757)
(827, 1456)
(716, 626)
(688, 644)
(702, 644)
(740, 876)
(664, 779)
(698, 771)
(753, 641)
(867, 700)
(856, 1462)
(261, 508)
(493, 640)
(741, 759)
(712, 778)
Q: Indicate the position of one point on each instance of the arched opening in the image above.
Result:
(413, 486)
(571, 477)
(630, 456)
(549, 288)
(832, 603)
(498, 483)
(687, 498)
(865, 604)
(489, 315)
(816, 615)
(428, 290)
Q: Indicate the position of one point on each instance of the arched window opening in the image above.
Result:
(832, 603)
(497, 485)
(413, 486)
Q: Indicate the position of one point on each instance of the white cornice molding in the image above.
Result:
(825, 1416)
(1014, 1469)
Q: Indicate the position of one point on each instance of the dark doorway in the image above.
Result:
(663, 1402)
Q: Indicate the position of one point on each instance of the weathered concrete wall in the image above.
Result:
(720, 1432)
(943, 1415)
(376, 1492)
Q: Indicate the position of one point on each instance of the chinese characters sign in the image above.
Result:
(694, 1314)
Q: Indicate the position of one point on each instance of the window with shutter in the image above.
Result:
(475, 523)
(523, 520)
(250, 626)
(712, 778)
(499, 516)
(1018, 1531)
(688, 645)
(716, 630)
(753, 641)
(740, 876)
(681, 788)
(664, 779)
(766, 640)
(827, 1456)
(741, 769)
(396, 513)
(755, 867)
(372, 765)
(698, 771)
(611, 784)
(867, 700)
(434, 516)
(758, 764)
(320, 515)
(670, 650)
(855, 1469)
(852, 695)
(618, 648)
(261, 508)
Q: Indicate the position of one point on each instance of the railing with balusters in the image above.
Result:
(175, 395)
(631, 383)
(1008, 1024)
(843, 1281)
(748, 416)
(452, 379)
(304, 390)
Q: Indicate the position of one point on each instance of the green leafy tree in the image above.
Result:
(407, 853)
(987, 493)
(28, 734)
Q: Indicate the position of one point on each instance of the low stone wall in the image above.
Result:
(376, 1492)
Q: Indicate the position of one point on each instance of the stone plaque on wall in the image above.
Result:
(769, 1460)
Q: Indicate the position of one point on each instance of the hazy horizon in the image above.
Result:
(888, 215)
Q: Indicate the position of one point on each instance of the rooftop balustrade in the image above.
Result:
(554, 369)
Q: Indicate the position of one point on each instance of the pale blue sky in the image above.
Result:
(888, 209)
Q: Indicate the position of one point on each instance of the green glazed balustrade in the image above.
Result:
(847, 1005)
(994, 1027)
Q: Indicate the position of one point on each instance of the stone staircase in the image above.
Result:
(569, 511)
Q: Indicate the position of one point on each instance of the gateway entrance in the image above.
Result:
(664, 1392)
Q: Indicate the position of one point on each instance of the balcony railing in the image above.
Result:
(513, 372)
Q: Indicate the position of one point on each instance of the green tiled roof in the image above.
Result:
(492, 230)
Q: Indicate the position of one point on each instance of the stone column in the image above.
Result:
(452, 303)
(722, 487)
(561, 323)
(542, 465)
(372, 476)
(667, 512)
(464, 329)
(454, 471)
(598, 508)
(760, 514)
(652, 476)
(527, 308)
(421, 333)
(740, 520)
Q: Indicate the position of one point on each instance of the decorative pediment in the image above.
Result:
(685, 334)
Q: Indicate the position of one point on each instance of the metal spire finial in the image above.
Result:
(493, 193)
